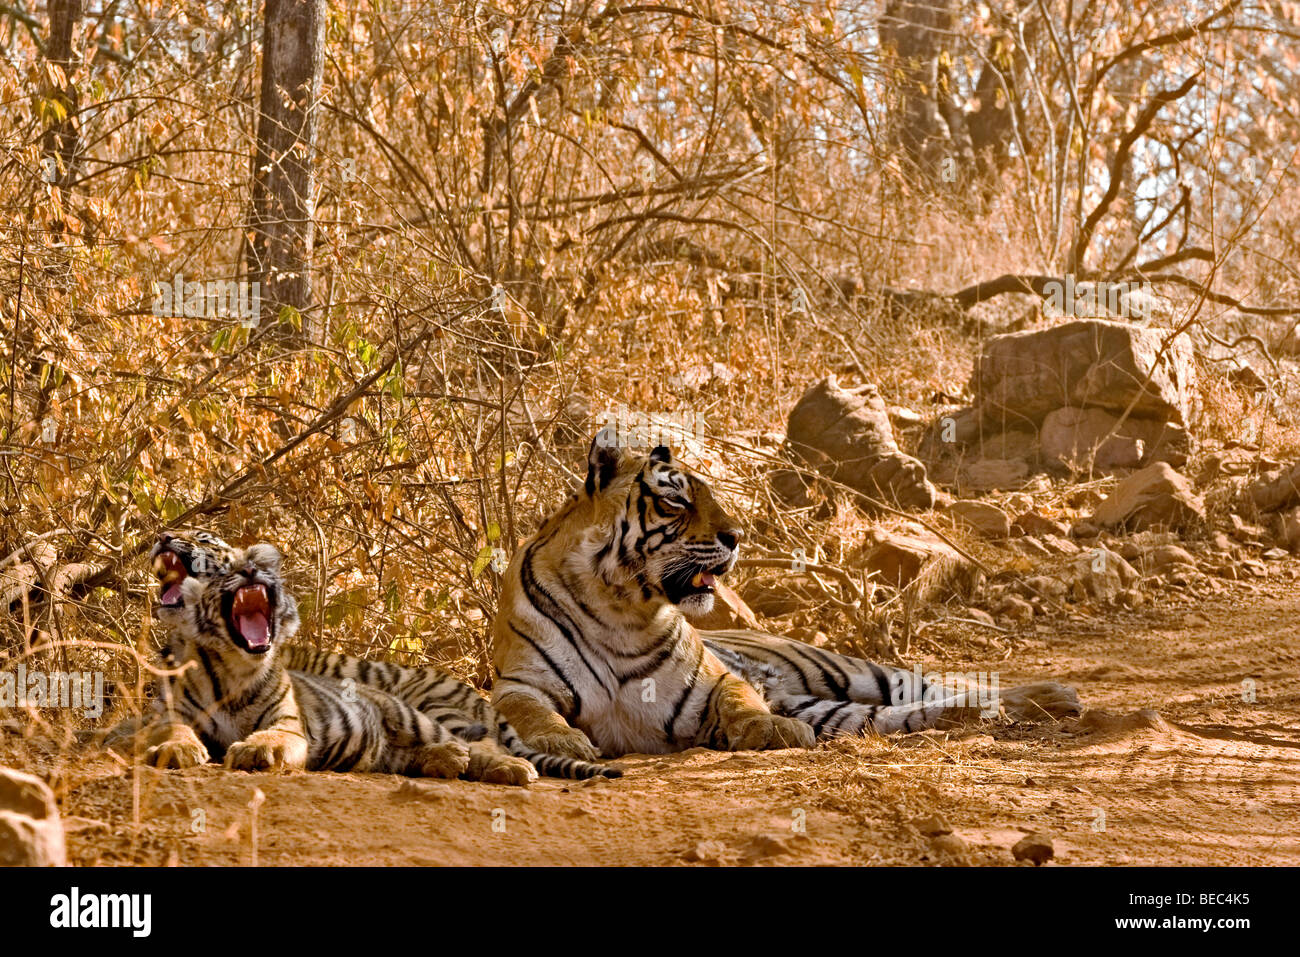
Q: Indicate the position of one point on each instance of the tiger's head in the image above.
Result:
(656, 533)
(177, 556)
(241, 613)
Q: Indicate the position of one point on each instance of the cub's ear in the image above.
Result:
(263, 556)
(661, 453)
(603, 459)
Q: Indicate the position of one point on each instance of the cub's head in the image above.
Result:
(177, 556)
(658, 533)
(243, 612)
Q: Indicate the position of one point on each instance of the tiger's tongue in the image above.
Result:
(172, 595)
(254, 629)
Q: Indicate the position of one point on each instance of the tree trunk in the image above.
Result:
(62, 139)
(282, 220)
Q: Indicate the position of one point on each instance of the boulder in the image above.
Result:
(1102, 575)
(987, 521)
(31, 834)
(1032, 523)
(1277, 489)
(846, 435)
(988, 474)
(898, 559)
(1157, 496)
(1094, 363)
(1081, 437)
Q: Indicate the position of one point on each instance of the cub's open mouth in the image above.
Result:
(170, 572)
(250, 617)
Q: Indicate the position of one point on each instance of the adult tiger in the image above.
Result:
(595, 656)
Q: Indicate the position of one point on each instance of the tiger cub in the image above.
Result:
(497, 753)
(235, 700)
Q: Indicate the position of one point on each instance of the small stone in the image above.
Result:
(1275, 554)
(708, 852)
(31, 834)
(1034, 847)
(933, 825)
(1015, 609)
(950, 847)
(984, 519)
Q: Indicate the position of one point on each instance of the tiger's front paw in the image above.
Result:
(267, 751)
(447, 760)
(177, 754)
(768, 732)
(495, 767)
(565, 743)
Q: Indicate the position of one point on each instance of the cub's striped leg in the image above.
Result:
(498, 754)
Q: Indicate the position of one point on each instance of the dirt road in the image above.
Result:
(1174, 765)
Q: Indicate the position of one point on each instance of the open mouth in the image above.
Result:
(693, 581)
(171, 573)
(249, 618)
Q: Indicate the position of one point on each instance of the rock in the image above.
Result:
(1102, 575)
(1014, 444)
(898, 559)
(1244, 531)
(933, 825)
(1031, 523)
(1088, 363)
(31, 834)
(982, 518)
(1095, 438)
(987, 475)
(1276, 489)
(710, 852)
(1014, 609)
(949, 848)
(1274, 554)
(1162, 557)
(905, 418)
(1085, 529)
(1044, 586)
(729, 611)
(1288, 534)
(1154, 496)
(1034, 847)
(1233, 461)
(846, 434)
(1030, 547)
(1059, 545)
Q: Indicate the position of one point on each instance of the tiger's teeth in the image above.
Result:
(697, 580)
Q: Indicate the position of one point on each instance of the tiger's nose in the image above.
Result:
(730, 537)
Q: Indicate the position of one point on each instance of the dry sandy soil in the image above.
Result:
(1170, 767)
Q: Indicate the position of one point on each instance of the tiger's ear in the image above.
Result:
(603, 459)
(263, 555)
(661, 453)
